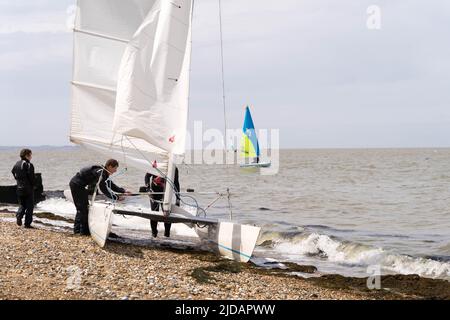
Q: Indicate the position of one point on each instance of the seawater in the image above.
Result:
(343, 211)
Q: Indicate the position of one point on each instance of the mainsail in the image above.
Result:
(249, 144)
(131, 79)
(130, 98)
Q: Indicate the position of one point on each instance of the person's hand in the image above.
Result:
(128, 193)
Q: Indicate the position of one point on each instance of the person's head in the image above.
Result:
(159, 181)
(111, 166)
(26, 154)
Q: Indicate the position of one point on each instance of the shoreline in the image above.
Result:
(41, 264)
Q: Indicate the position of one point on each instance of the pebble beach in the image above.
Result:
(41, 264)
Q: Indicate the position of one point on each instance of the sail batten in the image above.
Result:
(100, 35)
(93, 86)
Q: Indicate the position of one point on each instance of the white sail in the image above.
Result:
(130, 101)
(153, 86)
(103, 31)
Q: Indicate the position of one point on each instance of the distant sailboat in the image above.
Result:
(250, 146)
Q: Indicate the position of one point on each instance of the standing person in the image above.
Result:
(23, 172)
(157, 184)
(84, 178)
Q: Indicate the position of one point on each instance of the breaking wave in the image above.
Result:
(350, 254)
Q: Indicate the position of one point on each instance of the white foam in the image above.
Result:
(57, 206)
(421, 266)
(53, 223)
(184, 231)
(355, 254)
(8, 208)
(267, 262)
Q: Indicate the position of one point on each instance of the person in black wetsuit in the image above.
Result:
(88, 176)
(157, 184)
(23, 172)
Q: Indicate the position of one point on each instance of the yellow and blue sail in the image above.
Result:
(250, 145)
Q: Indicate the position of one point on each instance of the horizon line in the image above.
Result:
(284, 148)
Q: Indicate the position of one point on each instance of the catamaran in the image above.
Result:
(249, 144)
(130, 100)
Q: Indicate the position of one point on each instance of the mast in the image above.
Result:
(170, 179)
(168, 192)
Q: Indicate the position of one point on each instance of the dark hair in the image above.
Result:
(112, 163)
(25, 153)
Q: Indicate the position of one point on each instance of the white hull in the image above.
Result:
(232, 240)
(100, 221)
(257, 165)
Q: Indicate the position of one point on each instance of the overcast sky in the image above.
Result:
(311, 68)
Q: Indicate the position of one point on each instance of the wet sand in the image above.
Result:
(43, 264)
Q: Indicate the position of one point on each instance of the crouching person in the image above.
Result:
(88, 176)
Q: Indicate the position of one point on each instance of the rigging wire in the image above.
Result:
(223, 78)
(224, 104)
(199, 210)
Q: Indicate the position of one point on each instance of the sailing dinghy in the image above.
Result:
(130, 98)
(249, 144)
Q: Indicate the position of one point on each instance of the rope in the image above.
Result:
(109, 182)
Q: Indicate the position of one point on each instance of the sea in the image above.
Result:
(350, 212)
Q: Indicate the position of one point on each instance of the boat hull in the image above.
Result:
(257, 165)
(232, 240)
(100, 221)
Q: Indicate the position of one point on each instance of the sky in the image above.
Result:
(311, 68)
